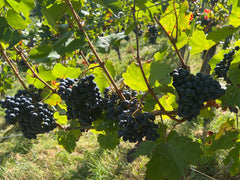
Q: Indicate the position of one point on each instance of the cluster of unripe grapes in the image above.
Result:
(223, 66)
(193, 91)
(32, 116)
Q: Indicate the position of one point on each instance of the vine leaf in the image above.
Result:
(207, 113)
(226, 141)
(114, 5)
(221, 34)
(40, 51)
(59, 71)
(104, 44)
(199, 42)
(145, 148)
(68, 139)
(53, 100)
(108, 140)
(160, 71)
(232, 96)
(134, 78)
(234, 17)
(234, 71)
(227, 126)
(173, 157)
(46, 75)
(60, 119)
(149, 104)
(4, 27)
(68, 43)
(15, 38)
(232, 159)
(15, 20)
(53, 12)
(100, 77)
(168, 101)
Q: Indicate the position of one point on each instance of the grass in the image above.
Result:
(44, 159)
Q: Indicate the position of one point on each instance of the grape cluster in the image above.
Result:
(134, 129)
(83, 99)
(153, 32)
(140, 32)
(193, 91)
(134, 125)
(33, 117)
(223, 66)
(114, 106)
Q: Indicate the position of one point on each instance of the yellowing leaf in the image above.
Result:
(198, 42)
(227, 126)
(134, 78)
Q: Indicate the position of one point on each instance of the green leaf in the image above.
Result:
(149, 103)
(68, 43)
(60, 119)
(110, 67)
(100, 77)
(134, 78)
(221, 34)
(232, 96)
(234, 17)
(182, 40)
(3, 26)
(199, 42)
(168, 101)
(53, 100)
(129, 29)
(114, 5)
(44, 74)
(104, 44)
(234, 71)
(59, 71)
(15, 20)
(226, 141)
(23, 6)
(227, 126)
(53, 12)
(233, 160)
(160, 72)
(164, 89)
(108, 141)
(171, 158)
(207, 113)
(160, 55)
(2, 3)
(145, 148)
(68, 139)
(40, 52)
(15, 38)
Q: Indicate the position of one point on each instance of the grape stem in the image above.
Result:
(101, 63)
(8, 60)
(138, 58)
(173, 43)
(34, 73)
(84, 58)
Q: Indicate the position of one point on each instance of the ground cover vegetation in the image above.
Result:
(153, 84)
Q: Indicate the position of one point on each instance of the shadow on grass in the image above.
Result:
(15, 145)
(96, 165)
